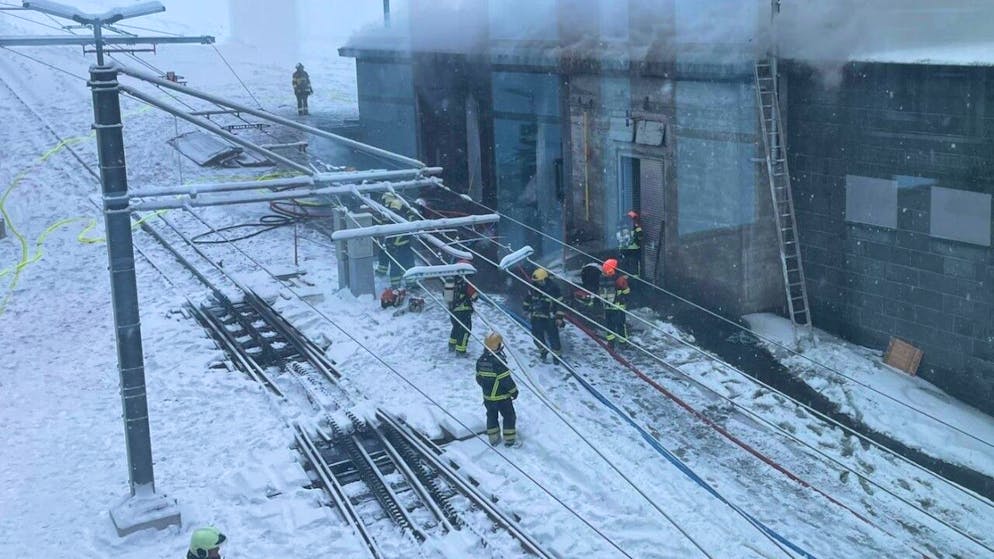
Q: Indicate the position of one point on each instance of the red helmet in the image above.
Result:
(610, 266)
(633, 214)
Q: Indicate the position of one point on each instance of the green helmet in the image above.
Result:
(204, 540)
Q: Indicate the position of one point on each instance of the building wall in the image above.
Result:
(877, 166)
(705, 205)
(387, 110)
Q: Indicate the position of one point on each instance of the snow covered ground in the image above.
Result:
(586, 483)
(885, 399)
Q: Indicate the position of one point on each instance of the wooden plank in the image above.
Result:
(902, 355)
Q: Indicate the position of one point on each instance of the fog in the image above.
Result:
(817, 30)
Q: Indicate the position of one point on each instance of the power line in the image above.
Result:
(43, 63)
(728, 321)
(787, 434)
(735, 404)
(225, 60)
(410, 383)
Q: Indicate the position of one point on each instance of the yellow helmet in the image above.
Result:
(494, 341)
(540, 274)
(395, 204)
(205, 539)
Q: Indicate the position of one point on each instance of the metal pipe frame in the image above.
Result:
(433, 240)
(207, 125)
(413, 227)
(75, 40)
(151, 78)
(351, 178)
(194, 201)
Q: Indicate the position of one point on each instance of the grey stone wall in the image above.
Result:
(733, 270)
(868, 283)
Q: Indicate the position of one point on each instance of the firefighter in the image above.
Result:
(543, 304)
(205, 543)
(630, 245)
(614, 292)
(459, 296)
(301, 88)
(590, 280)
(499, 390)
(401, 255)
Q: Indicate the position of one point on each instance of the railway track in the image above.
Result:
(371, 472)
(377, 472)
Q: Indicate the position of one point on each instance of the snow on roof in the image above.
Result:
(968, 54)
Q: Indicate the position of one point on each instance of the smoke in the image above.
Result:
(825, 33)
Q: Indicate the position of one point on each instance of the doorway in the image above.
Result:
(641, 187)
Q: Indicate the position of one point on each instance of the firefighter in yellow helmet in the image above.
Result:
(499, 390)
(544, 305)
(400, 255)
(205, 543)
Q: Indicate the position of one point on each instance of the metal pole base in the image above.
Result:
(144, 510)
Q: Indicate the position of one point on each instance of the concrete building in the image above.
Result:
(587, 109)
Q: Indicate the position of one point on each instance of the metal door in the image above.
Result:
(651, 197)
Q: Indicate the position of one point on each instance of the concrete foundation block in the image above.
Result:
(144, 510)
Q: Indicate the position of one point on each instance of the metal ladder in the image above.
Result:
(775, 144)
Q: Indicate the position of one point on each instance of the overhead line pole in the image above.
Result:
(143, 508)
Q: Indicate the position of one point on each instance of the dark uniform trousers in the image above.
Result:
(462, 325)
(614, 320)
(402, 259)
(504, 408)
(545, 331)
(301, 102)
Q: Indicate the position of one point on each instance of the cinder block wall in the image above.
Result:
(867, 282)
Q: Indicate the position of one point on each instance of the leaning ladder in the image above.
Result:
(775, 145)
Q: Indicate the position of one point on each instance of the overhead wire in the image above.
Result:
(776, 428)
(58, 68)
(239, 78)
(383, 362)
(771, 341)
(414, 386)
(558, 413)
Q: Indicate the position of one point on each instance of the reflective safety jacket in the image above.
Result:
(614, 289)
(302, 83)
(398, 241)
(544, 300)
(494, 378)
(634, 238)
(459, 294)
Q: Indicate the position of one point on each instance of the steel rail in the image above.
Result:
(308, 350)
(464, 486)
(415, 480)
(232, 347)
(335, 490)
(371, 476)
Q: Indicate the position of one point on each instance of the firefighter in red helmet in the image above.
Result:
(614, 293)
(630, 245)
